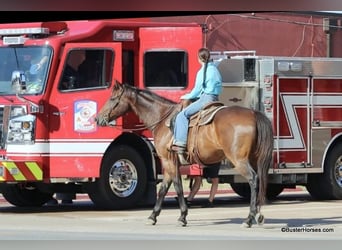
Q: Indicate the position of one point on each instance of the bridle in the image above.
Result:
(116, 97)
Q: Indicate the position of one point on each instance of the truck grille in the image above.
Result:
(1, 127)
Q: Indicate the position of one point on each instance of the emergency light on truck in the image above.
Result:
(14, 40)
(17, 36)
(290, 66)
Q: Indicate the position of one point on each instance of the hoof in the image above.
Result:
(260, 219)
(151, 221)
(182, 223)
(246, 224)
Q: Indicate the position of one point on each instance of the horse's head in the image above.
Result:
(116, 106)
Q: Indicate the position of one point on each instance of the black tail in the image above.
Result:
(264, 152)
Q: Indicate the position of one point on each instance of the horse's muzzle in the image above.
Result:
(101, 121)
(104, 122)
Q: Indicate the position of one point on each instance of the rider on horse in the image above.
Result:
(208, 86)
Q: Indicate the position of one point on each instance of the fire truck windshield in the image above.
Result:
(33, 62)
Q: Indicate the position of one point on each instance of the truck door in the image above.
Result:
(81, 87)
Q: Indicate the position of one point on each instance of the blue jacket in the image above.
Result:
(213, 83)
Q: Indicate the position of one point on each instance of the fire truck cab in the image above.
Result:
(55, 76)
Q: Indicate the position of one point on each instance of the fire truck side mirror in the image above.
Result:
(19, 87)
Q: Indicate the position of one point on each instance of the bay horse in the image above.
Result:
(241, 135)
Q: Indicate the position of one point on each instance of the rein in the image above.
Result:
(150, 127)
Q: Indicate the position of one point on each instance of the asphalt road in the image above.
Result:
(294, 215)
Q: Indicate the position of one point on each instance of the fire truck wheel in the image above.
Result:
(243, 189)
(123, 179)
(328, 185)
(273, 190)
(25, 196)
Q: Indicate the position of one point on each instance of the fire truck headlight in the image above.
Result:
(26, 126)
(17, 111)
(15, 125)
(27, 137)
(20, 132)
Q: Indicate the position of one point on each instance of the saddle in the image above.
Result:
(203, 117)
(206, 114)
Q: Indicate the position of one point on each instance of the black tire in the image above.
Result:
(328, 185)
(273, 190)
(122, 182)
(24, 196)
(243, 189)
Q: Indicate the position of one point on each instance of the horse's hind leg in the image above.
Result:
(177, 183)
(165, 185)
(252, 181)
(246, 170)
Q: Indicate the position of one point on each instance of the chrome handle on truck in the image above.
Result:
(58, 113)
(235, 99)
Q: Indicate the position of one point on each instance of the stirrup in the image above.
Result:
(183, 159)
(178, 149)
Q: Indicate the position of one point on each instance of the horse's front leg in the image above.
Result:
(177, 183)
(165, 185)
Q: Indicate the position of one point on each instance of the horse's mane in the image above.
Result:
(151, 94)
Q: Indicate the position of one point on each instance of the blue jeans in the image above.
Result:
(182, 119)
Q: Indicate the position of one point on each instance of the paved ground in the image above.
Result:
(294, 216)
(224, 190)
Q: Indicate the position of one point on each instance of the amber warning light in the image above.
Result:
(123, 35)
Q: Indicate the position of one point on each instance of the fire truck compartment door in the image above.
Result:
(240, 86)
(292, 121)
(242, 94)
(76, 142)
(326, 114)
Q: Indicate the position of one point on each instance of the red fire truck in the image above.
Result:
(55, 76)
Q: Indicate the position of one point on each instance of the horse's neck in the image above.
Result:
(151, 112)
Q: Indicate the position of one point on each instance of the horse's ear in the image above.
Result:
(117, 85)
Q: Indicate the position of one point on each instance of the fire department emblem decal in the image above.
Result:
(84, 116)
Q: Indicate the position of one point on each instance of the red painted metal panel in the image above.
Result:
(292, 132)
